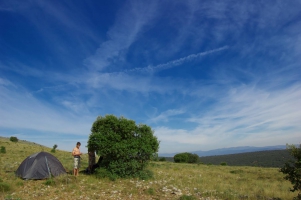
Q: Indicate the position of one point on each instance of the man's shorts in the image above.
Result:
(76, 163)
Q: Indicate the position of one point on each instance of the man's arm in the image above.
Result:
(73, 152)
(76, 152)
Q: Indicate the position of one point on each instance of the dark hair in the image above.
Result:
(78, 143)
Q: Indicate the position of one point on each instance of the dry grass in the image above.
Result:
(171, 180)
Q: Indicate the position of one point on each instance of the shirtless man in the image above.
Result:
(76, 154)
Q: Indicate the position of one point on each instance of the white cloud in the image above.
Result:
(250, 99)
(128, 25)
(176, 62)
(246, 116)
(164, 116)
(20, 109)
(5, 82)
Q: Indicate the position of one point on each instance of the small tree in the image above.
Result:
(292, 169)
(126, 148)
(53, 148)
(13, 139)
(181, 157)
(186, 158)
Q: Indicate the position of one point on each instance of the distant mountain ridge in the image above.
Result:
(230, 150)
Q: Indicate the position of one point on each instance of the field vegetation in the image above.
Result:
(171, 180)
(271, 158)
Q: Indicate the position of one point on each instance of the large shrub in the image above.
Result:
(13, 139)
(126, 148)
(186, 158)
(292, 169)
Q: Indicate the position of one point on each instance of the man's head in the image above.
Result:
(78, 144)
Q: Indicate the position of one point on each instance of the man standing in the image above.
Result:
(76, 154)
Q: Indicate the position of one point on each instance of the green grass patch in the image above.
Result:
(4, 187)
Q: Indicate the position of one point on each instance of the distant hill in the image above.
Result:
(271, 158)
(231, 150)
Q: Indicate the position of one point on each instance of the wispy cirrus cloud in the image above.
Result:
(20, 109)
(128, 25)
(124, 80)
(246, 92)
(166, 115)
(174, 63)
(21, 69)
(247, 115)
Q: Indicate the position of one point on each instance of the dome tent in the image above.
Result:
(40, 166)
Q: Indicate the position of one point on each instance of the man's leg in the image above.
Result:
(78, 166)
(75, 167)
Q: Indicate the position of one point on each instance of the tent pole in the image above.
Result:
(48, 167)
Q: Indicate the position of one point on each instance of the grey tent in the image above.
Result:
(40, 166)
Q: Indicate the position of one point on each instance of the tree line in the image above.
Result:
(270, 158)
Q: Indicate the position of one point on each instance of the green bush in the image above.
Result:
(181, 158)
(126, 148)
(13, 139)
(193, 158)
(53, 148)
(292, 169)
(162, 159)
(104, 173)
(223, 164)
(2, 149)
(186, 158)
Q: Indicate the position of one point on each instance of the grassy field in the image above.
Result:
(171, 180)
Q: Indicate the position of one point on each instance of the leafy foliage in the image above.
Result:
(292, 169)
(162, 159)
(13, 139)
(104, 173)
(2, 149)
(155, 157)
(53, 148)
(126, 148)
(186, 158)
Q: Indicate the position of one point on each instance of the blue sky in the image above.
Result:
(203, 74)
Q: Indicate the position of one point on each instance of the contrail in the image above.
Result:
(179, 61)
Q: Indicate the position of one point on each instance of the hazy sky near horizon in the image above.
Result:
(203, 74)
